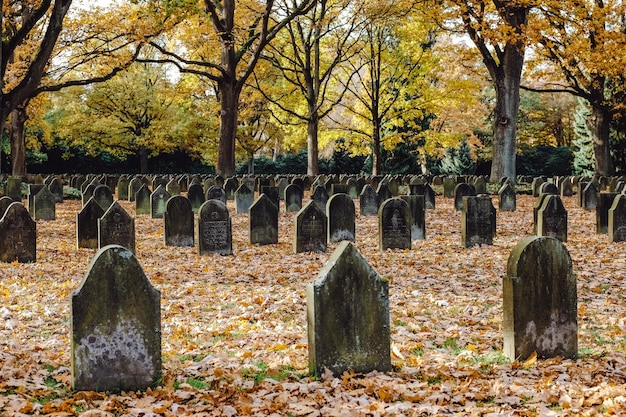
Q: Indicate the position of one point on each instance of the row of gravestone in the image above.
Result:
(116, 322)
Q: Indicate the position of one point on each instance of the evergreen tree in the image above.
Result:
(458, 161)
(584, 163)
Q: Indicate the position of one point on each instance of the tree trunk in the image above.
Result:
(599, 125)
(251, 163)
(312, 146)
(18, 142)
(229, 99)
(377, 163)
(507, 85)
(143, 160)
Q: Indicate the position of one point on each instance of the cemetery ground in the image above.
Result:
(234, 333)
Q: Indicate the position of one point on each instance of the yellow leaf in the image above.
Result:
(530, 361)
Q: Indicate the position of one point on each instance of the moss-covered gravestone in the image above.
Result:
(417, 205)
(14, 189)
(478, 222)
(158, 198)
(18, 235)
(244, 197)
(348, 316)
(552, 218)
(263, 221)
(44, 206)
(87, 225)
(293, 198)
(116, 325)
(539, 301)
(142, 200)
(215, 192)
(178, 222)
(507, 199)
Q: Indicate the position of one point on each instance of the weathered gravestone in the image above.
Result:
(122, 188)
(142, 200)
(369, 201)
(178, 222)
(116, 227)
(56, 188)
(103, 195)
(617, 219)
(353, 188)
(320, 197)
(535, 186)
(480, 185)
(552, 218)
(394, 225)
(5, 202)
(462, 190)
(384, 192)
(281, 184)
(263, 221)
(44, 206)
(426, 191)
(244, 197)
(566, 188)
(604, 201)
(158, 198)
(449, 183)
(216, 193)
(417, 206)
(478, 221)
(348, 316)
(589, 198)
(87, 225)
(33, 189)
(14, 189)
(230, 186)
(116, 326)
(539, 301)
(173, 187)
(507, 199)
(341, 218)
(310, 229)
(214, 229)
(134, 185)
(548, 188)
(272, 193)
(87, 192)
(18, 235)
(195, 194)
(293, 198)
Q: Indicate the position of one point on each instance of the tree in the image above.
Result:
(306, 58)
(458, 161)
(240, 30)
(583, 142)
(496, 28)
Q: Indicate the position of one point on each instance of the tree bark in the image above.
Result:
(377, 163)
(18, 142)
(143, 160)
(229, 100)
(312, 144)
(599, 125)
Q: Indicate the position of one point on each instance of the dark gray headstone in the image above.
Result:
(320, 197)
(134, 185)
(216, 193)
(462, 190)
(353, 188)
(18, 235)
(44, 206)
(293, 198)
(507, 199)
(604, 201)
(536, 185)
(103, 195)
(478, 221)
(158, 198)
(281, 184)
(425, 190)
(539, 301)
(341, 218)
(548, 188)
(116, 227)
(173, 187)
(272, 193)
(230, 186)
(56, 188)
(33, 189)
(348, 316)
(552, 218)
(178, 222)
(214, 229)
(617, 219)
(87, 225)
(480, 185)
(244, 197)
(384, 192)
(417, 206)
(310, 229)
(394, 225)
(369, 201)
(122, 188)
(263, 221)
(566, 188)
(449, 183)
(87, 192)
(142, 200)
(116, 326)
(14, 189)
(195, 194)
(589, 197)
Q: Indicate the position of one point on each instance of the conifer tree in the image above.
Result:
(583, 146)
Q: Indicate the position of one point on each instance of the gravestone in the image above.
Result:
(538, 204)
(535, 186)
(44, 207)
(87, 225)
(230, 186)
(263, 221)
(195, 194)
(369, 201)
(348, 316)
(56, 188)
(159, 181)
(384, 192)
(14, 189)
(394, 225)
(617, 219)
(244, 197)
(461, 190)
(272, 193)
(173, 187)
(310, 229)
(5, 202)
(122, 188)
(103, 195)
(426, 191)
(604, 201)
(478, 221)
(320, 197)
(282, 184)
(480, 185)
(214, 229)
(449, 183)
(134, 185)
(590, 201)
(548, 188)
(293, 198)
(566, 188)
(18, 235)
(338, 189)
(417, 206)
(116, 227)
(87, 192)
(178, 222)
(341, 218)
(216, 193)
(33, 189)
(116, 326)
(552, 218)
(507, 199)
(353, 188)
(158, 198)
(539, 301)
(142, 200)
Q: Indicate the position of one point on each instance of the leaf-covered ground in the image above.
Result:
(234, 327)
